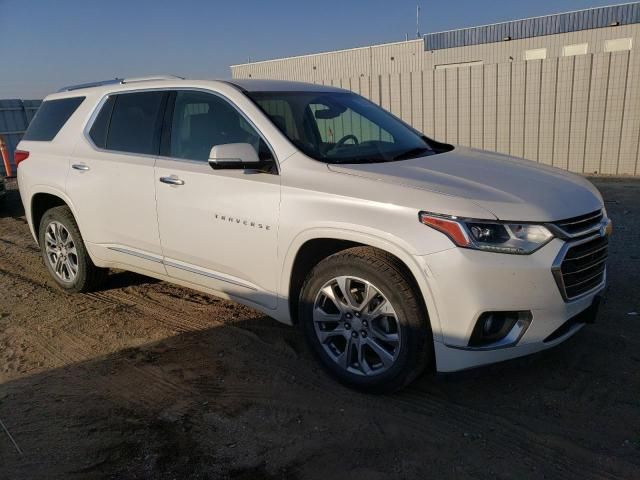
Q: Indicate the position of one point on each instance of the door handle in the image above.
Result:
(80, 166)
(173, 180)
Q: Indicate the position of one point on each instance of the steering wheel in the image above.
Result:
(345, 139)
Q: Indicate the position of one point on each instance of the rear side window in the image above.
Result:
(100, 127)
(135, 123)
(51, 117)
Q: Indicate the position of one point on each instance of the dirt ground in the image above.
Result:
(144, 379)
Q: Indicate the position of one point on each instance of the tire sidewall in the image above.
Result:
(413, 326)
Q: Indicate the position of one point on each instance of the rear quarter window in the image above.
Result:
(51, 117)
(100, 127)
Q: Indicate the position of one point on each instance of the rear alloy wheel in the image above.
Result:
(362, 315)
(65, 254)
(61, 252)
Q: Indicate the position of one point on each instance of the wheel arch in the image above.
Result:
(310, 247)
(42, 200)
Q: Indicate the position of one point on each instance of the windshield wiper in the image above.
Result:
(352, 160)
(414, 152)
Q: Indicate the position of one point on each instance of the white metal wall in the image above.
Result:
(580, 113)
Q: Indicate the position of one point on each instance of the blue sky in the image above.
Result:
(46, 44)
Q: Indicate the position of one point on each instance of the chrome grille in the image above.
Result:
(582, 225)
(583, 267)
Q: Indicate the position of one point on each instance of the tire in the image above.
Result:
(78, 273)
(391, 316)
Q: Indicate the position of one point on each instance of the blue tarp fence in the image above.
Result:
(15, 116)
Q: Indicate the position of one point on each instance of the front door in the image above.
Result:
(218, 228)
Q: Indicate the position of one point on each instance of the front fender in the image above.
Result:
(370, 237)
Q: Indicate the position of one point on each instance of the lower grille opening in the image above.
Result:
(586, 316)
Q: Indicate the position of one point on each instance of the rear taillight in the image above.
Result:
(20, 156)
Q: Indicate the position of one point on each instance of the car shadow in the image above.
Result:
(120, 279)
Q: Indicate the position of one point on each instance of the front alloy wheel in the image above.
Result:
(363, 316)
(357, 326)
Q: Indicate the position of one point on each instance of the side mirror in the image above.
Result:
(233, 156)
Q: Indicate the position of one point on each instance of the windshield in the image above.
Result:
(336, 127)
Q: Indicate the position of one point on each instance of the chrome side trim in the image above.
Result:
(557, 273)
(133, 253)
(197, 271)
(204, 273)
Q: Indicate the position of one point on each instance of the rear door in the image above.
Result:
(219, 228)
(111, 181)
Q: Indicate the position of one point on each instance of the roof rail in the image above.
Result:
(90, 84)
(151, 77)
(120, 81)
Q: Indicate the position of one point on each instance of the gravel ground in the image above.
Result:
(144, 379)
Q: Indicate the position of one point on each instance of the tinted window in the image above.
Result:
(51, 117)
(280, 113)
(341, 127)
(98, 132)
(201, 121)
(135, 123)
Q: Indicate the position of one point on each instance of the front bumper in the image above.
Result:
(465, 283)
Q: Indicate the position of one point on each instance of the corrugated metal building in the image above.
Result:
(15, 116)
(560, 89)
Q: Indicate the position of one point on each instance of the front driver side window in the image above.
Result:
(202, 120)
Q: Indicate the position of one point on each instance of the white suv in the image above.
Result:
(392, 251)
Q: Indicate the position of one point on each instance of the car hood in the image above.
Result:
(510, 188)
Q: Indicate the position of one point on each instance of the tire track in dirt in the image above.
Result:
(177, 321)
(66, 350)
(113, 297)
(63, 349)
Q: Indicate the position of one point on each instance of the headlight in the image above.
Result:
(501, 237)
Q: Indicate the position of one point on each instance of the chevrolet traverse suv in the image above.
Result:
(391, 251)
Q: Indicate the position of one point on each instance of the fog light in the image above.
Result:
(499, 329)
